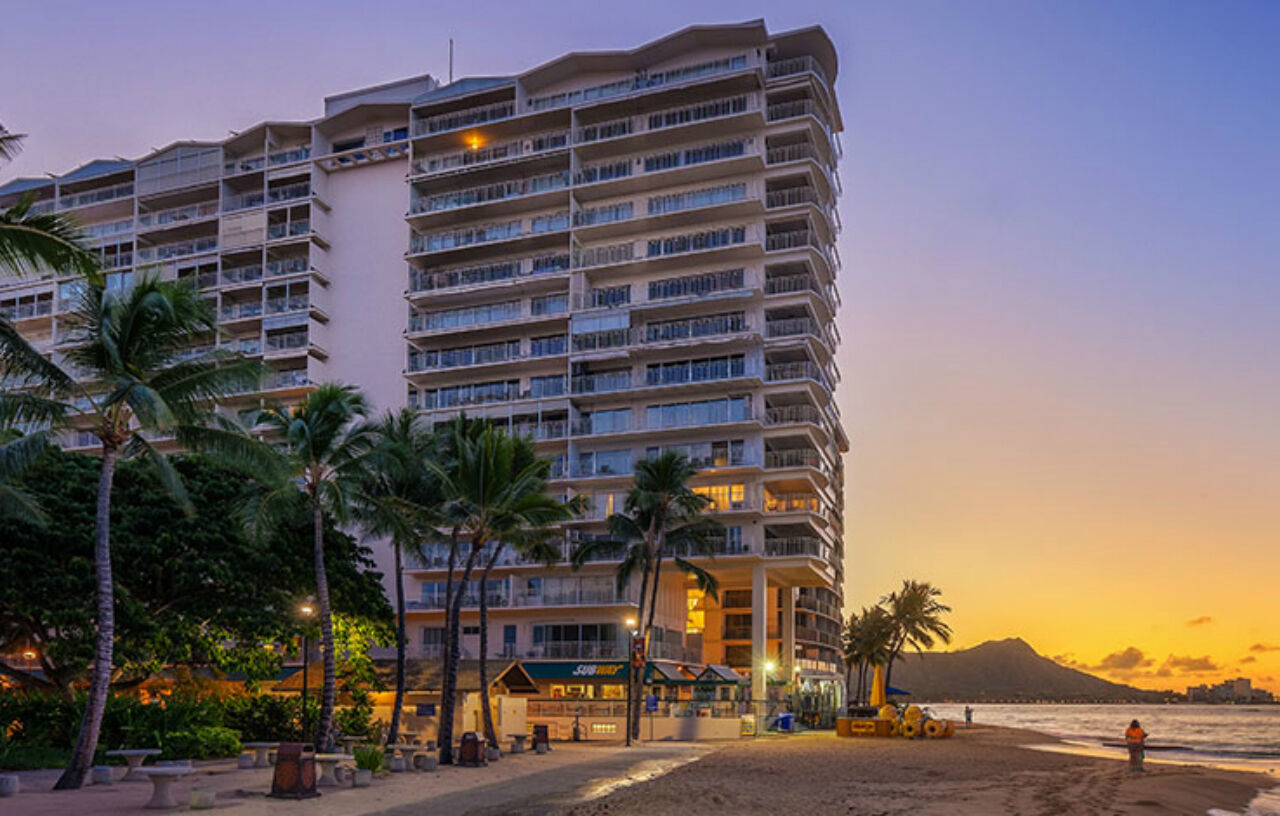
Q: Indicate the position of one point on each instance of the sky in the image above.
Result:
(1061, 356)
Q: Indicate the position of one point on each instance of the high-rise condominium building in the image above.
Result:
(615, 253)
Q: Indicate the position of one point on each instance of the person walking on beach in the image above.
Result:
(1136, 740)
(968, 716)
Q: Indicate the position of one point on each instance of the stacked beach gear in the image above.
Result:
(888, 721)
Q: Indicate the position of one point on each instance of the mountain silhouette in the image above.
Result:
(1005, 670)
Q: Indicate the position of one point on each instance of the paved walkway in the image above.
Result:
(569, 773)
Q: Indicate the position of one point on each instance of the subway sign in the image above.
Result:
(598, 670)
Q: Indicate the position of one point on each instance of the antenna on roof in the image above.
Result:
(451, 60)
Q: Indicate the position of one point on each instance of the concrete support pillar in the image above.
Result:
(759, 633)
(789, 635)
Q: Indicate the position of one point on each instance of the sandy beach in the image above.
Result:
(981, 771)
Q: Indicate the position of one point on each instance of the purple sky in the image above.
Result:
(1061, 339)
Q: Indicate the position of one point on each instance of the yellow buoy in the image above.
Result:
(912, 714)
(888, 712)
(951, 728)
(911, 729)
(933, 729)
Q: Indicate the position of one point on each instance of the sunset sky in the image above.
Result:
(1061, 359)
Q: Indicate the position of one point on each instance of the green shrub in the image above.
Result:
(355, 720)
(368, 757)
(14, 757)
(202, 742)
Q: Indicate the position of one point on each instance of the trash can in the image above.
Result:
(786, 722)
(295, 772)
(471, 751)
(541, 736)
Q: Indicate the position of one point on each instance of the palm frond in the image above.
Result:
(23, 364)
(31, 242)
(707, 582)
(139, 447)
(10, 144)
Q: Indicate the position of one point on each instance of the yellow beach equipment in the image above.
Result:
(934, 729)
(912, 714)
(911, 729)
(888, 712)
(877, 687)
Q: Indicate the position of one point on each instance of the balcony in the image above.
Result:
(795, 66)
(801, 457)
(181, 249)
(798, 370)
(491, 193)
(780, 111)
(697, 329)
(508, 151)
(240, 311)
(793, 415)
(487, 234)
(292, 156)
(792, 503)
(289, 192)
(469, 117)
(177, 215)
(243, 201)
(481, 274)
(643, 81)
(279, 380)
(420, 361)
(603, 383)
(291, 342)
(239, 275)
(72, 201)
(290, 229)
(710, 112)
(284, 305)
(237, 166)
(290, 266)
(26, 310)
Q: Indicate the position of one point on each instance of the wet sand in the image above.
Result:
(983, 770)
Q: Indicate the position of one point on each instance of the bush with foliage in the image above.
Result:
(368, 757)
(201, 742)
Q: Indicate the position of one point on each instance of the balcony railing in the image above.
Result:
(237, 166)
(478, 274)
(296, 154)
(694, 329)
(289, 192)
(532, 146)
(487, 233)
(792, 503)
(27, 310)
(798, 370)
(289, 266)
(793, 414)
(293, 341)
(795, 65)
(793, 326)
(292, 303)
(242, 274)
(73, 200)
(286, 379)
(240, 311)
(463, 118)
(243, 201)
(288, 230)
(672, 117)
(488, 193)
(177, 215)
(792, 459)
(177, 250)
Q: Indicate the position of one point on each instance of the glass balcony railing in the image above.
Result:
(292, 303)
(487, 233)
(243, 201)
(178, 215)
(292, 156)
(73, 200)
(469, 117)
(794, 66)
(517, 188)
(241, 274)
(177, 250)
(26, 310)
(240, 311)
(291, 229)
(288, 192)
(292, 341)
(800, 457)
(247, 165)
(792, 503)
(479, 274)
(459, 159)
(288, 266)
(286, 379)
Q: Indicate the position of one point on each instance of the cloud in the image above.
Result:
(1249, 659)
(1189, 665)
(1128, 660)
(1200, 621)
(1264, 647)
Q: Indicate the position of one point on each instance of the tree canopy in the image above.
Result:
(191, 588)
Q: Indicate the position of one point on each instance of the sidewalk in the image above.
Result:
(569, 772)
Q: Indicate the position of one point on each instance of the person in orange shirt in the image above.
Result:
(1136, 739)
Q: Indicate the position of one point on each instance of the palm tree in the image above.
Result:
(491, 495)
(396, 484)
(917, 614)
(865, 642)
(323, 451)
(135, 377)
(662, 520)
(31, 242)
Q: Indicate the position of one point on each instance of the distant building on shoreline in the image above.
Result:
(1239, 690)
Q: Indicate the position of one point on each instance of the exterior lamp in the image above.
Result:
(306, 610)
(769, 667)
(29, 655)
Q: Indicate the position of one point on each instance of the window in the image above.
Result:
(615, 421)
(611, 296)
(549, 386)
(697, 241)
(702, 370)
(724, 497)
(604, 463)
(432, 636)
(604, 728)
(548, 346)
(702, 326)
(693, 199)
(471, 630)
(348, 144)
(696, 618)
(736, 599)
(705, 454)
(705, 412)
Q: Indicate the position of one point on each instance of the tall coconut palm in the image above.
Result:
(323, 449)
(397, 483)
(865, 644)
(134, 377)
(491, 496)
(917, 616)
(662, 520)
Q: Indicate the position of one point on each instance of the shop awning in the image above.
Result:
(663, 671)
(718, 674)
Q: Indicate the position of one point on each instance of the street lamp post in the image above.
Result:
(306, 611)
(631, 674)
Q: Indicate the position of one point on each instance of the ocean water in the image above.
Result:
(1238, 737)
